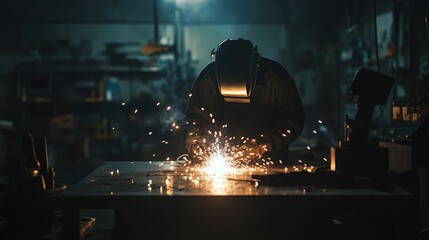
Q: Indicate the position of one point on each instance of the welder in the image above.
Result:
(244, 95)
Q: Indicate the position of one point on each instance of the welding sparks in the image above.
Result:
(219, 155)
(218, 165)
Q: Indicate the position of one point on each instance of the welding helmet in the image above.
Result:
(236, 69)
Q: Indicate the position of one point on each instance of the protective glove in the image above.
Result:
(195, 143)
(252, 149)
(264, 144)
(249, 150)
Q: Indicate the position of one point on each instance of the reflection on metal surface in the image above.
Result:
(169, 183)
(173, 178)
(219, 184)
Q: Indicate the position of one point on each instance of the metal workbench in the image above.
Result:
(168, 200)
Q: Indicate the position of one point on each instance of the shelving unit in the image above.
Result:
(86, 107)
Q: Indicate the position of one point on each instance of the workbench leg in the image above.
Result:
(70, 224)
(121, 220)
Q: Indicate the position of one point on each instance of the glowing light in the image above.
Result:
(217, 164)
(320, 121)
(135, 111)
(123, 104)
(168, 108)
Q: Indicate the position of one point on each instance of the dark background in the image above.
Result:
(74, 71)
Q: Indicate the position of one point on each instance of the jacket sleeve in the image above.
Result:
(201, 102)
(288, 110)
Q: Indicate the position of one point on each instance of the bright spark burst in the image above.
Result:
(223, 155)
(218, 165)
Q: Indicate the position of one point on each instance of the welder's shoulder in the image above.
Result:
(209, 70)
(207, 77)
(274, 68)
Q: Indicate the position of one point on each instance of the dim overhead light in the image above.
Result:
(185, 1)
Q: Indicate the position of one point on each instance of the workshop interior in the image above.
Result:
(93, 87)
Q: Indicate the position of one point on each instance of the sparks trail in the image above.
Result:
(228, 155)
(223, 153)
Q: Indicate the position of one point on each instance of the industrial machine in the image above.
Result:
(358, 154)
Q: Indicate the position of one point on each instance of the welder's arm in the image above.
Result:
(199, 114)
(290, 116)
